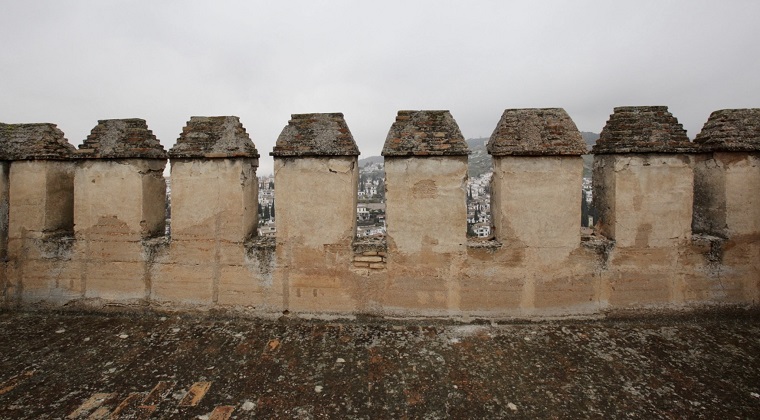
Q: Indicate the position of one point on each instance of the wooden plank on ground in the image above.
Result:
(195, 394)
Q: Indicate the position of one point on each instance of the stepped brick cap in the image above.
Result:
(121, 139)
(731, 130)
(536, 132)
(425, 133)
(42, 141)
(213, 137)
(643, 129)
(315, 135)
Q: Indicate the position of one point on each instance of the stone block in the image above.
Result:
(183, 283)
(652, 260)
(321, 299)
(706, 288)
(313, 278)
(320, 294)
(189, 252)
(636, 289)
(112, 250)
(565, 294)
(490, 294)
(51, 279)
(239, 286)
(115, 280)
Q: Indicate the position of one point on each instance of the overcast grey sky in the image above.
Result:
(74, 62)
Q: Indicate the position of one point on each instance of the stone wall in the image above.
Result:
(679, 221)
(214, 206)
(426, 213)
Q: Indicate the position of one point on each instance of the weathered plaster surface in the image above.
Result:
(214, 198)
(214, 210)
(652, 199)
(40, 197)
(536, 201)
(315, 208)
(118, 203)
(126, 196)
(317, 204)
(426, 231)
(40, 220)
(426, 203)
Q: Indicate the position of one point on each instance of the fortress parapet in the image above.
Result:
(425, 178)
(119, 201)
(726, 201)
(678, 226)
(316, 176)
(36, 208)
(535, 201)
(214, 193)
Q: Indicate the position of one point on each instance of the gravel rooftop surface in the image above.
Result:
(67, 364)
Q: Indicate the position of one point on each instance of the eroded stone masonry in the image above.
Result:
(679, 220)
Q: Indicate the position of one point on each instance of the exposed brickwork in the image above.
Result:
(424, 133)
(214, 137)
(315, 135)
(122, 138)
(733, 130)
(536, 132)
(370, 253)
(33, 141)
(643, 129)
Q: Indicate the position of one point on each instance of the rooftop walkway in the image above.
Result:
(85, 365)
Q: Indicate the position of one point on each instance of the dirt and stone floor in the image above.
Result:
(167, 366)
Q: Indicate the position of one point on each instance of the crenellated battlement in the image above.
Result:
(679, 221)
